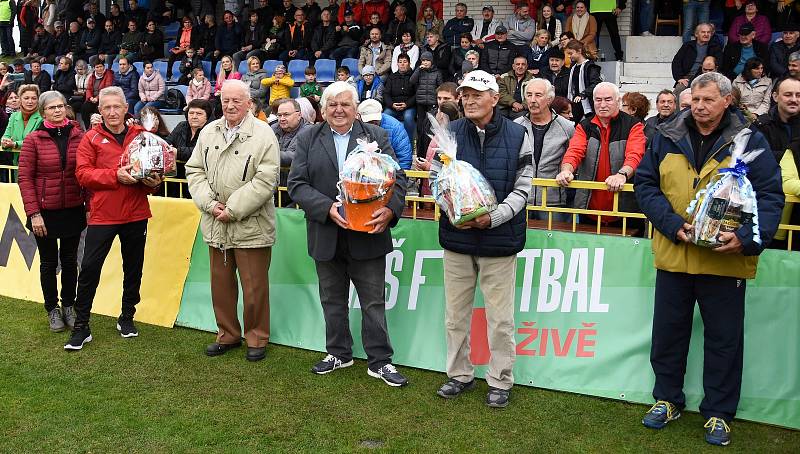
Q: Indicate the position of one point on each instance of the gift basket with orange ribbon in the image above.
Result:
(366, 183)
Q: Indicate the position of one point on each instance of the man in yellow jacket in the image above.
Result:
(683, 157)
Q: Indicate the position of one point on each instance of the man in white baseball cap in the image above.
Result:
(485, 248)
(371, 111)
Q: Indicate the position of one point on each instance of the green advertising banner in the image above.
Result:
(584, 308)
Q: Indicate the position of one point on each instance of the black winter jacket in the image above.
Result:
(426, 81)
(774, 130)
(732, 54)
(64, 83)
(398, 88)
(497, 58)
(684, 60)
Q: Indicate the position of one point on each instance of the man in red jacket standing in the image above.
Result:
(119, 207)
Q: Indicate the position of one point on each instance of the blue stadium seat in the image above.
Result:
(326, 70)
(171, 30)
(776, 36)
(294, 92)
(161, 67)
(351, 63)
(27, 66)
(139, 67)
(115, 66)
(49, 68)
(243, 67)
(270, 65)
(297, 68)
(176, 71)
(206, 68)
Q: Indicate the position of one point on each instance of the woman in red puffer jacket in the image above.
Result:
(54, 203)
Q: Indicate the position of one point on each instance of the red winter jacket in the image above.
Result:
(98, 160)
(375, 6)
(106, 81)
(44, 183)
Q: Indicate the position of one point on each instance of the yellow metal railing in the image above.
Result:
(414, 202)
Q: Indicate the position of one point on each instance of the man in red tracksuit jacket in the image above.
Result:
(119, 207)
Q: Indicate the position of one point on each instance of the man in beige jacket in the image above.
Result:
(233, 174)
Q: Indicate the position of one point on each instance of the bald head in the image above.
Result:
(685, 99)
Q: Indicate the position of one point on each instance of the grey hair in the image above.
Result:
(335, 89)
(470, 52)
(794, 56)
(549, 89)
(237, 83)
(722, 82)
(307, 110)
(47, 97)
(613, 87)
(111, 91)
(705, 24)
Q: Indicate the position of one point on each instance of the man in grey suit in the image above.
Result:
(343, 255)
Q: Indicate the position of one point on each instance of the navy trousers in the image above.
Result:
(721, 302)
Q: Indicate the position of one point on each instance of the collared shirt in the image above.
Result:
(231, 132)
(341, 141)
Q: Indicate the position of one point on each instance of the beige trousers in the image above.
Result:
(497, 278)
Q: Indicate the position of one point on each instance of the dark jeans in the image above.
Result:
(334, 290)
(132, 238)
(423, 128)
(613, 31)
(721, 302)
(7, 39)
(49, 255)
(302, 54)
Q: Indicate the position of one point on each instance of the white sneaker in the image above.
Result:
(646, 33)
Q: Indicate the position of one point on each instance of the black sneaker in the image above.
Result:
(718, 432)
(329, 364)
(497, 398)
(126, 328)
(79, 337)
(453, 388)
(389, 375)
(660, 414)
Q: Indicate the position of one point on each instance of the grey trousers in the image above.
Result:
(334, 288)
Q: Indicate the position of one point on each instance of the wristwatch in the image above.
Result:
(620, 172)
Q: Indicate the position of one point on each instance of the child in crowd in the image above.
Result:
(343, 75)
(199, 86)
(311, 89)
(426, 78)
(189, 62)
(279, 84)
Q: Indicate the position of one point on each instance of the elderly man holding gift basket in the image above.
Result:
(120, 166)
(483, 159)
(712, 189)
(346, 179)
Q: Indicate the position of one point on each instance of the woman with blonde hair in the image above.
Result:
(548, 21)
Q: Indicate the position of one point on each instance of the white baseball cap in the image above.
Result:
(479, 80)
(370, 110)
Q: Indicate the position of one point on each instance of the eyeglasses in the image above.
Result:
(285, 115)
(55, 107)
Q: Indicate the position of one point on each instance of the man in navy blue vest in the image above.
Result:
(485, 248)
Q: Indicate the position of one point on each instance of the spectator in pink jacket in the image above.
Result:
(199, 87)
(151, 89)
(227, 71)
(759, 21)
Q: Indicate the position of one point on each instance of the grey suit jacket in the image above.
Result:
(312, 184)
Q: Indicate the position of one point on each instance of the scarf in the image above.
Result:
(150, 77)
(198, 83)
(550, 26)
(537, 52)
(579, 25)
(587, 106)
(50, 125)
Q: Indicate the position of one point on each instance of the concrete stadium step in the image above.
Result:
(651, 49)
(635, 69)
(657, 80)
(645, 88)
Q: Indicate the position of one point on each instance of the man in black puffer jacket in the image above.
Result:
(497, 56)
(399, 95)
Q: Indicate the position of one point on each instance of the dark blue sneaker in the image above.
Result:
(718, 432)
(660, 414)
(389, 375)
